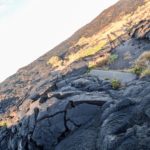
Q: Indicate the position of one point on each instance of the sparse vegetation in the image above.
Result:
(144, 60)
(142, 65)
(146, 72)
(116, 84)
(99, 62)
(3, 124)
(86, 52)
(55, 61)
(113, 58)
(137, 70)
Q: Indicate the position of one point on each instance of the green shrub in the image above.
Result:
(137, 70)
(116, 84)
(113, 58)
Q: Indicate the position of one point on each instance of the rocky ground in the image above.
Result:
(82, 112)
(80, 108)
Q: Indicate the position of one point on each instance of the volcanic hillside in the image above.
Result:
(91, 92)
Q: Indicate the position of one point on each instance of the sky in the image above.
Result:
(30, 28)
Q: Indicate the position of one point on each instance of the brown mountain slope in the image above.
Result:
(108, 16)
(112, 14)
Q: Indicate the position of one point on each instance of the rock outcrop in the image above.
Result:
(76, 116)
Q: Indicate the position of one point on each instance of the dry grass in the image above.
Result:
(99, 40)
(3, 124)
(142, 65)
(144, 60)
(9, 119)
(99, 62)
(96, 42)
(86, 52)
(55, 61)
(146, 72)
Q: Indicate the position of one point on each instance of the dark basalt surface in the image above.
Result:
(83, 118)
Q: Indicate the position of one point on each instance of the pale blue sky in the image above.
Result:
(7, 7)
(29, 28)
